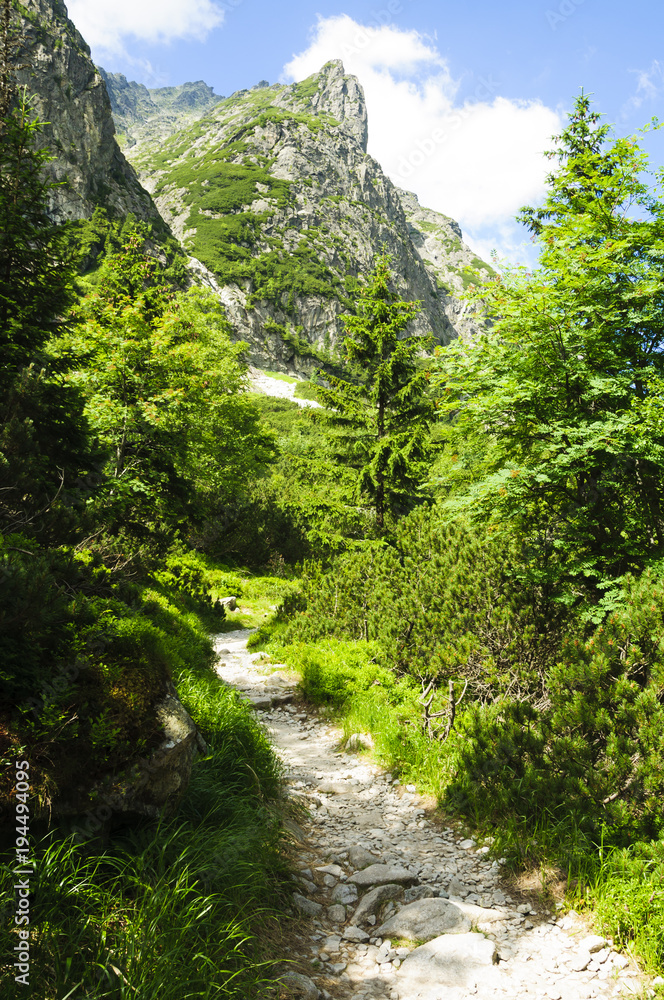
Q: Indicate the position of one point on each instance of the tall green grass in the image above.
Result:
(178, 909)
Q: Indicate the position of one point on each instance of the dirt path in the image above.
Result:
(396, 906)
(261, 382)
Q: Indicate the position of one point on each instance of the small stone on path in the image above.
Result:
(307, 906)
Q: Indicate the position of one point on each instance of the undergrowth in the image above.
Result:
(185, 907)
(619, 885)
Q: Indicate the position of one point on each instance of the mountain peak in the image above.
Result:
(334, 92)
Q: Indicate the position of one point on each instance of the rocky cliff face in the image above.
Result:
(147, 117)
(275, 197)
(271, 191)
(69, 93)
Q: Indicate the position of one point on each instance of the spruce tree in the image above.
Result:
(381, 412)
(568, 381)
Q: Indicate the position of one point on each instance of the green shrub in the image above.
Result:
(596, 748)
(443, 602)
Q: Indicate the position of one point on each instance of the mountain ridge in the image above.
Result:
(271, 192)
(144, 115)
(68, 93)
(282, 210)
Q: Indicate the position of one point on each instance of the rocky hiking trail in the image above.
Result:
(395, 906)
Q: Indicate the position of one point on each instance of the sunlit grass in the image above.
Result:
(178, 909)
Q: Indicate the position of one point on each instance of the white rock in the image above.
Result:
(580, 962)
(592, 943)
(335, 870)
(355, 934)
(426, 919)
(382, 875)
(457, 960)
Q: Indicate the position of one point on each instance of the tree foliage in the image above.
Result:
(166, 392)
(382, 412)
(567, 379)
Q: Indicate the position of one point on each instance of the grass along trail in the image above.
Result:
(391, 904)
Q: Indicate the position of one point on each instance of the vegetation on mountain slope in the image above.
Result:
(505, 644)
(503, 640)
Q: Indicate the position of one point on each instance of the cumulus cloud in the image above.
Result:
(106, 24)
(478, 160)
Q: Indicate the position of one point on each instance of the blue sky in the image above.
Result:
(462, 98)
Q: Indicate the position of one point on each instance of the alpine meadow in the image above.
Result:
(268, 424)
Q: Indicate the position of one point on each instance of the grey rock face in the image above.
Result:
(453, 959)
(359, 857)
(382, 875)
(320, 202)
(307, 906)
(418, 892)
(301, 986)
(162, 780)
(355, 934)
(336, 913)
(425, 919)
(153, 787)
(374, 899)
(345, 894)
(68, 92)
(145, 116)
(452, 265)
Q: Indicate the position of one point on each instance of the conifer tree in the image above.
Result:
(382, 412)
(569, 379)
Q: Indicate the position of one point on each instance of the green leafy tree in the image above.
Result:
(381, 414)
(566, 380)
(165, 392)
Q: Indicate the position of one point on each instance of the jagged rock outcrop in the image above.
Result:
(275, 197)
(271, 191)
(143, 116)
(453, 266)
(53, 62)
(151, 788)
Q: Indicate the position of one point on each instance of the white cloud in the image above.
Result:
(478, 160)
(649, 86)
(105, 24)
